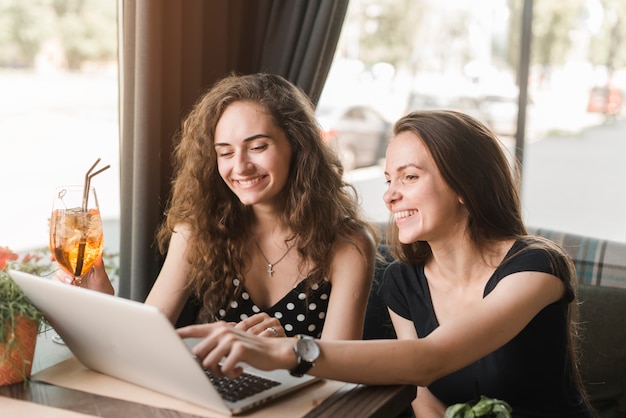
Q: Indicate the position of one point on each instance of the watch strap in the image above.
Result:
(301, 369)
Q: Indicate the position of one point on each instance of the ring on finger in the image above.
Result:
(272, 330)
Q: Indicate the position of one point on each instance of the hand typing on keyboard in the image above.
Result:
(222, 347)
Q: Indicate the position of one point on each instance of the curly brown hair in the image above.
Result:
(316, 204)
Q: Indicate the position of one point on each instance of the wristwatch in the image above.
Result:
(307, 351)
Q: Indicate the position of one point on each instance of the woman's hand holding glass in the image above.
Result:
(76, 238)
(95, 279)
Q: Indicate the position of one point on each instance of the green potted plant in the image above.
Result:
(485, 407)
(20, 320)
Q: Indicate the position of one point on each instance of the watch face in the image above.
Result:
(308, 349)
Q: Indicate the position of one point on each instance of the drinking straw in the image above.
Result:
(88, 177)
(81, 247)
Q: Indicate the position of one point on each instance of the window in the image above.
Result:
(58, 112)
(395, 56)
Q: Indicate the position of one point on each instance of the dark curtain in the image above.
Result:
(172, 51)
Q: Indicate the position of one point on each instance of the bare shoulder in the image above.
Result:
(360, 240)
(354, 257)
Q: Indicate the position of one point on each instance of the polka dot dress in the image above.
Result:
(296, 314)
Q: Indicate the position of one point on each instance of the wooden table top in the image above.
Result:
(350, 401)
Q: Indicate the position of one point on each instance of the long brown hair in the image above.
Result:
(472, 162)
(315, 204)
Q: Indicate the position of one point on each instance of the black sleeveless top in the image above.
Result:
(530, 372)
(296, 313)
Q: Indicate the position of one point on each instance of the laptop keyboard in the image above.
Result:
(241, 387)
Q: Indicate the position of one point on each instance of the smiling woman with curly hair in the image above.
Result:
(261, 226)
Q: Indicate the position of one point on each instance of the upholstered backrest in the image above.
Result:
(599, 262)
(601, 269)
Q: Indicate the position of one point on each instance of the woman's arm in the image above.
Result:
(351, 277)
(486, 326)
(425, 405)
(169, 292)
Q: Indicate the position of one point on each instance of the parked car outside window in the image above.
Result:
(496, 110)
(358, 133)
(468, 104)
(500, 113)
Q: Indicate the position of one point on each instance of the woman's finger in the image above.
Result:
(272, 328)
(262, 324)
(215, 344)
(270, 332)
(252, 321)
(61, 276)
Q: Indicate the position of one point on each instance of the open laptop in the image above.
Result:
(136, 343)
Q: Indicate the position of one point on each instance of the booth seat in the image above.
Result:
(601, 269)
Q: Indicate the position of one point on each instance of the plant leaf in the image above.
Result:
(484, 406)
(502, 410)
(456, 410)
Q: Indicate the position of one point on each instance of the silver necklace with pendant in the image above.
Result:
(270, 266)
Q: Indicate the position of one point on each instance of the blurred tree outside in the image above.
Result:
(413, 35)
(608, 44)
(551, 42)
(64, 33)
(428, 35)
(24, 26)
(388, 30)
